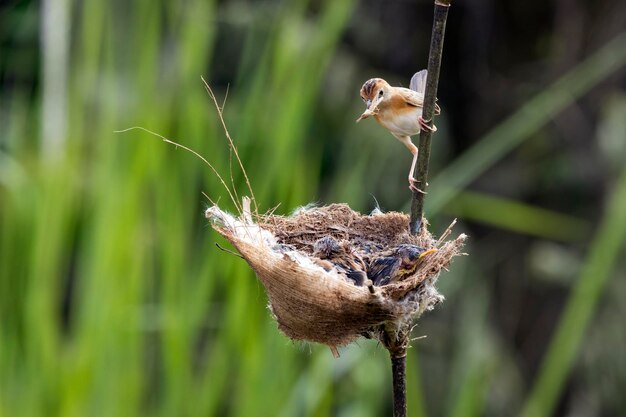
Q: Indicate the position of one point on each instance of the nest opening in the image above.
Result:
(332, 274)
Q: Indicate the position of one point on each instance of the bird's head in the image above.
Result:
(326, 247)
(411, 256)
(373, 92)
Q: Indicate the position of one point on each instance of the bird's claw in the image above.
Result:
(412, 187)
(424, 125)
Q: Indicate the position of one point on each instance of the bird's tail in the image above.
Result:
(418, 81)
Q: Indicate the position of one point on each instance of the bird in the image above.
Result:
(399, 110)
(396, 264)
(342, 257)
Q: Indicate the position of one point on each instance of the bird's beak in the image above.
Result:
(428, 252)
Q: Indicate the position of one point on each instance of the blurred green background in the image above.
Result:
(114, 300)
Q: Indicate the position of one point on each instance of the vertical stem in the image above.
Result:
(432, 81)
(398, 369)
(400, 339)
(396, 341)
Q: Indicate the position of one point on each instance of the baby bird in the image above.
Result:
(399, 110)
(396, 264)
(342, 257)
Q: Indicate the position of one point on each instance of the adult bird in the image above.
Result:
(399, 110)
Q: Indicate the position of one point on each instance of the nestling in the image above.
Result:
(396, 264)
(399, 110)
(342, 257)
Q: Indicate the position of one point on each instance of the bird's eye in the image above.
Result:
(380, 93)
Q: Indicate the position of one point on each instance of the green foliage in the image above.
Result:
(114, 300)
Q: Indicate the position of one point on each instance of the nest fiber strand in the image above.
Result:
(315, 304)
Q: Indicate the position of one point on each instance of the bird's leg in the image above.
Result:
(412, 180)
(413, 149)
(424, 125)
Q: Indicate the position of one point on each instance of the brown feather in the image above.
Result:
(382, 269)
(412, 98)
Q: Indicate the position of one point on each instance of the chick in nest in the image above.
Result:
(342, 257)
(396, 264)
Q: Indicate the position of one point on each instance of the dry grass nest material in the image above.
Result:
(313, 299)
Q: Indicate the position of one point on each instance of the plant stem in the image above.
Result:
(430, 95)
(396, 341)
(398, 369)
(398, 354)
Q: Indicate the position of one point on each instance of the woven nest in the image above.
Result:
(314, 297)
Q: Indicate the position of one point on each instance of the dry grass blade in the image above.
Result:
(230, 141)
(231, 193)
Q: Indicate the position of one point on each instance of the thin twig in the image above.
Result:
(228, 250)
(225, 97)
(178, 145)
(230, 141)
(213, 203)
(401, 339)
(445, 234)
(230, 171)
(432, 81)
(230, 148)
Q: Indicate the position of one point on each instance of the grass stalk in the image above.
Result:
(604, 253)
(400, 344)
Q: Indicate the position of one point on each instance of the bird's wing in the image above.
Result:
(358, 277)
(412, 98)
(382, 269)
(418, 82)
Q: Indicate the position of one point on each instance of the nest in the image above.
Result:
(333, 275)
